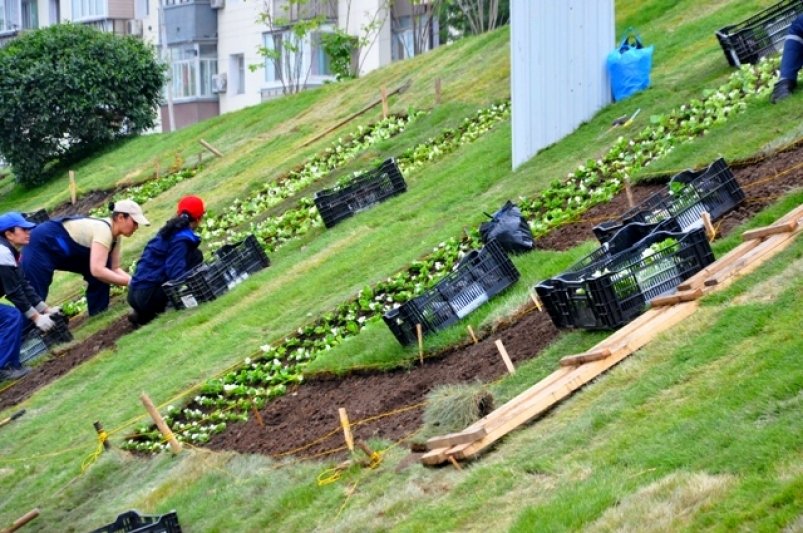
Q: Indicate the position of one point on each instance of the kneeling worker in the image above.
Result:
(84, 245)
(167, 257)
(15, 232)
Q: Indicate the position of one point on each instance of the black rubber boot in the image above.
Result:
(783, 89)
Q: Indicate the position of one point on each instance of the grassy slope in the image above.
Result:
(45, 448)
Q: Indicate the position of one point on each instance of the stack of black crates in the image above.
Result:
(133, 522)
(360, 193)
(479, 276)
(35, 342)
(37, 217)
(231, 265)
(760, 35)
(649, 251)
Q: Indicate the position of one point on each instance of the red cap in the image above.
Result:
(193, 206)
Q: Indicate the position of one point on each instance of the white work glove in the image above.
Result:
(54, 310)
(44, 322)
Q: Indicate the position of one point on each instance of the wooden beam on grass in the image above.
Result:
(760, 233)
(403, 87)
(211, 148)
(574, 360)
(680, 296)
(21, 521)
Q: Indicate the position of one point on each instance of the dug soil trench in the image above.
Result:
(304, 422)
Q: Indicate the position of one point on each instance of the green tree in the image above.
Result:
(67, 90)
(471, 17)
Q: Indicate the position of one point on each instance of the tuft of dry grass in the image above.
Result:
(451, 408)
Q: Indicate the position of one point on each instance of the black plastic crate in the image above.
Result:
(231, 265)
(478, 277)
(246, 256)
(133, 522)
(760, 35)
(689, 193)
(611, 293)
(360, 193)
(35, 342)
(37, 217)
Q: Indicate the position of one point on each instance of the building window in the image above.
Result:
(320, 61)
(237, 70)
(310, 59)
(88, 9)
(192, 69)
(9, 15)
(274, 66)
(30, 15)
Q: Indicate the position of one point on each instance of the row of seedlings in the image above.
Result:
(648, 252)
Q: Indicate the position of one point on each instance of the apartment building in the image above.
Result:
(213, 47)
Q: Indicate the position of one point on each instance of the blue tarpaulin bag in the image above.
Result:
(629, 67)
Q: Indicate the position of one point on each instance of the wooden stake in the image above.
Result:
(629, 193)
(156, 168)
(420, 335)
(455, 463)
(471, 332)
(344, 423)
(73, 187)
(258, 416)
(437, 91)
(102, 435)
(709, 227)
(21, 521)
(211, 148)
(505, 357)
(574, 360)
(175, 445)
(760, 233)
(536, 301)
(384, 91)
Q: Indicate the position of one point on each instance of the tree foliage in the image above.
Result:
(472, 17)
(67, 90)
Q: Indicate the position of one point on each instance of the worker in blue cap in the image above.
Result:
(15, 232)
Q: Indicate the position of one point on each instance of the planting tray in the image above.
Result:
(35, 342)
(612, 292)
(479, 276)
(360, 193)
(713, 189)
(760, 35)
(133, 522)
(231, 265)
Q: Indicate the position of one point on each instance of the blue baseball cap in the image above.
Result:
(12, 219)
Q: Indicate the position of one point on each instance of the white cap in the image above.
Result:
(130, 207)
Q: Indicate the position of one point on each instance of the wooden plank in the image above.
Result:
(678, 297)
(574, 360)
(434, 457)
(576, 379)
(760, 233)
(451, 439)
(211, 148)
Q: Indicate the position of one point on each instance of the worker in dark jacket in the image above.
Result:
(84, 245)
(15, 232)
(167, 257)
(791, 62)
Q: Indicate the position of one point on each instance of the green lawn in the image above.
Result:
(699, 430)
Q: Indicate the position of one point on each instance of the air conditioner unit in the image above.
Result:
(217, 4)
(219, 83)
(135, 27)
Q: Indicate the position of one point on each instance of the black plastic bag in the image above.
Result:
(509, 229)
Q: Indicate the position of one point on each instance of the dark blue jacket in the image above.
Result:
(13, 284)
(166, 259)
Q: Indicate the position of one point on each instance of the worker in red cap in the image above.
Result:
(169, 256)
(84, 245)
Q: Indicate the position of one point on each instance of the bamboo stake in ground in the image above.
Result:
(102, 435)
(536, 300)
(211, 148)
(437, 91)
(73, 187)
(505, 357)
(21, 521)
(710, 231)
(258, 416)
(420, 335)
(175, 445)
(344, 423)
(471, 332)
(629, 193)
(384, 91)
